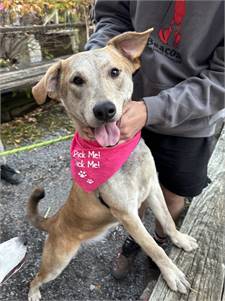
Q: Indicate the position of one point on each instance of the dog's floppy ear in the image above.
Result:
(48, 85)
(131, 44)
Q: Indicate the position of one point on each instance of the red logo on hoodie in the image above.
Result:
(175, 24)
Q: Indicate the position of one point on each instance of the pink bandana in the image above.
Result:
(92, 165)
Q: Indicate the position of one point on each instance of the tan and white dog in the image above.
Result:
(94, 86)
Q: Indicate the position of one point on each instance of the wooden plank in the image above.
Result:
(21, 83)
(33, 70)
(205, 221)
(11, 76)
(22, 78)
(65, 31)
(40, 28)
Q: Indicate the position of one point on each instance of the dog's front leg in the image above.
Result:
(57, 253)
(174, 277)
(158, 206)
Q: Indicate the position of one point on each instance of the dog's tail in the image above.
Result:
(35, 218)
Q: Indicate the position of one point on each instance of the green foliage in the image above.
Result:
(4, 63)
(42, 8)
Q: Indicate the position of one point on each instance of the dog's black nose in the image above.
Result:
(104, 111)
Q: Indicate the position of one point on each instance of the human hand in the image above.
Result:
(133, 119)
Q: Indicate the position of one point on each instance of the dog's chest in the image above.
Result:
(133, 179)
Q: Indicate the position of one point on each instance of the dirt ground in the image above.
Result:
(88, 276)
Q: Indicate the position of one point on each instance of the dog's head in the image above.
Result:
(95, 85)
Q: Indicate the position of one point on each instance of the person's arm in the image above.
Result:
(113, 18)
(196, 97)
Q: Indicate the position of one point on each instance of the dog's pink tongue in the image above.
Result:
(107, 134)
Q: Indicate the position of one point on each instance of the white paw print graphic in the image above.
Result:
(90, 181)
(82, 174)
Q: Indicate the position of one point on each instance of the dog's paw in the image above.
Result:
(184, 241)
(175, 279)
(34, 295)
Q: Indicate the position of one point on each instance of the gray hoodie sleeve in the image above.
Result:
(111, 21)
(196, 97)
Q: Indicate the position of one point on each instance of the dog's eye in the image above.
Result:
(78, 81)
(114, 72)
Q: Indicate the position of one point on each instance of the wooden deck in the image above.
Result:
(205, 220)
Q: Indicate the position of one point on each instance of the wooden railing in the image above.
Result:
(40, 28)
(18, 79)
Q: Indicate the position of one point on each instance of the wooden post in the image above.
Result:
(205, 220)
(54, 15)
(75, 40)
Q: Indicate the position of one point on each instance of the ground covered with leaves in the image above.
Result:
(45, 122)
